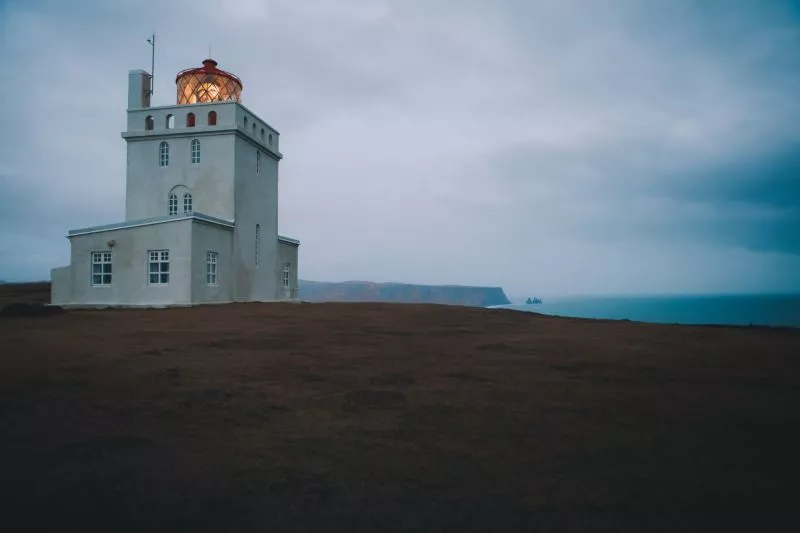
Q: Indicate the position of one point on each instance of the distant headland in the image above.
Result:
(367, 291)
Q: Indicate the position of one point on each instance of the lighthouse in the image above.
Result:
(201, 206)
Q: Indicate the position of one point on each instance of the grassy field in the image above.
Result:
(391, 417)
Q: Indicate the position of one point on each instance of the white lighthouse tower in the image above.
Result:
(201, 209)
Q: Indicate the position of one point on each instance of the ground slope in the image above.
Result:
(380, 417)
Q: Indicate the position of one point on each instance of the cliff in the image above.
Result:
(366, 291)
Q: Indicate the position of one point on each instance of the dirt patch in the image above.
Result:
(29, 310)
(373, 400)
(380, 417)
(402, 379)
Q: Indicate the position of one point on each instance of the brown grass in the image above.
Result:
(380, 417)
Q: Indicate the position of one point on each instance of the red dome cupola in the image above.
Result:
(207, 84)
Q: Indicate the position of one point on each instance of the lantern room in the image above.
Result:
(207, 84)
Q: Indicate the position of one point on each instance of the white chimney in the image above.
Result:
(138, 89)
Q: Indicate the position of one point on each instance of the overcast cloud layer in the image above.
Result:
(549, 147)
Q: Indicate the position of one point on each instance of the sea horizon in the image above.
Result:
(734, 309)
(560, 296)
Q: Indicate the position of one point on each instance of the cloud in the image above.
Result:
(562, 144)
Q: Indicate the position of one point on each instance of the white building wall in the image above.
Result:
(129, 258)
(210, 182)
(256, 203)
(208, 238)
(226, 117)
(61, 285)
(287, 255)
(254, 128)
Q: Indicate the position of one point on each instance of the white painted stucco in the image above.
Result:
(256, 204)
(211, 238)
(61, 285)
(287, 257)
(129, 254)
(234, 189)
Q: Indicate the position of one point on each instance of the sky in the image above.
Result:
(548, 147)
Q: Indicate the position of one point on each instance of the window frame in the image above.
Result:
(163, 154)
(258, 246)
(195, 151)
(172, 204)
(104, 259)
(158, 257)
(212, 268)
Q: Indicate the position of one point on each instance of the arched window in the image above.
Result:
(270, 139)
(212, 118)
(173, 204)
(170, 121)
(245, 122)
(254, 130)
(258, 162)
(262, 134)
(187, 202)
(190, 120)
(195, 151)
(258, 242)
(148, 123)
(163, 154)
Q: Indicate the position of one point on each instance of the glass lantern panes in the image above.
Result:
(195, 87)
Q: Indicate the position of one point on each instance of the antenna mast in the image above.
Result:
(152, 42)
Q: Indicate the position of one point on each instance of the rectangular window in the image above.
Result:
(158, 267)
(258, 243)
(163, 154)
(195, 151)
(286, 276)
(211, 268)
(101, 269)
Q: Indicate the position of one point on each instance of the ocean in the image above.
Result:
(742, 310)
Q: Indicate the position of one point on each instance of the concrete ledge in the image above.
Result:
(288, 240)
(193, 216)
(122, 306)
